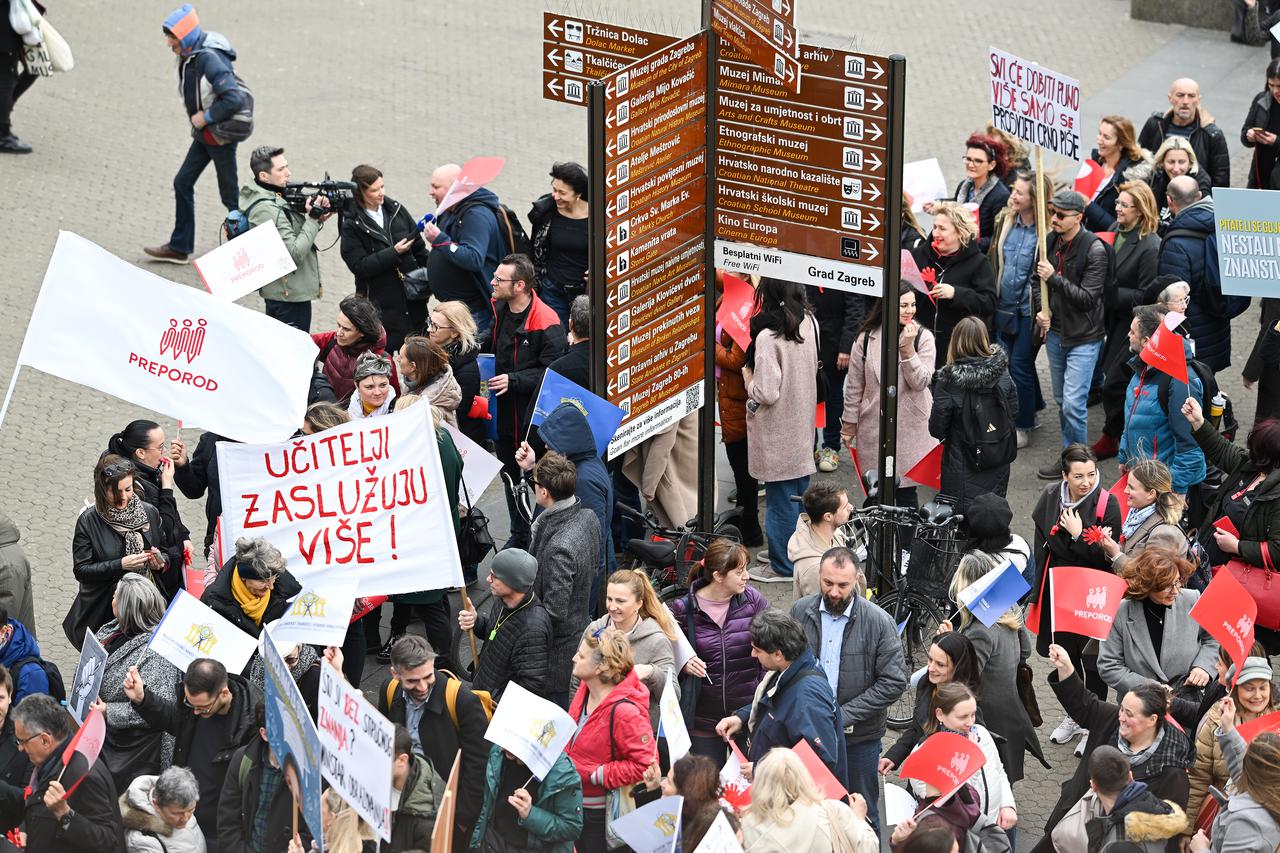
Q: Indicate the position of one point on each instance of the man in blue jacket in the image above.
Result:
(466, 248)
(1154, 428)
(794, 700)
(212, 95)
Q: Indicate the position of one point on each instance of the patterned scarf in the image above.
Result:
(1134, 520)
(130, 522)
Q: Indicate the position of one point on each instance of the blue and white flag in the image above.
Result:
(602, 416)
(990, 596)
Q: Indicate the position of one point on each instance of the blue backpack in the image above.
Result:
(237, 222)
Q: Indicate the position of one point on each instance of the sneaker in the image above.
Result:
(13, 145)
(164, 253)
(1106, 447)
(1024, 438)
(1079, 750)
(766, 574)
(384, 654)
(1052, 471)
(1066, 730)
(762, 557)
(827, 459)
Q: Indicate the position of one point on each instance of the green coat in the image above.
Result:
(414, 821)
(1262, 518)
(451, 468)
(555, 821)
(299, 234)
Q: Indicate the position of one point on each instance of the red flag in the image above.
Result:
(1227, 526)
(736, 788)
(1108, 237)
(1227, 612)
(1117, 492)
(972, 207)
(736, 307)
(366, 605)
(1164, 352)
(945, 761)
(87, 742)
(1085, 601)
(1088, 179)
(1253, 728)
(909, 271)
(928, 471)
(475, 173)
(194, 580)
(832, 787)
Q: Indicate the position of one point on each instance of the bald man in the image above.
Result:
(466, 246)
(1185, 118)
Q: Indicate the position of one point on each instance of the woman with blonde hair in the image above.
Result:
(1117, 153)
(452, 327)
(613, 745)
(344, 830)
(1137, 248)
(1154, 516)
(973, 367)
(956, 272)
(1175, 157)
(1000, 650)
(633, 608)
(790, 814)
(1250, 821)
(1153, 637)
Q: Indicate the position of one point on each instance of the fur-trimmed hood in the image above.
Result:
(1146, 826)
(141, 821)
(974, 373)
(1138, 815)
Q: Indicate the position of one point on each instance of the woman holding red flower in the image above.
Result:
(959, 279)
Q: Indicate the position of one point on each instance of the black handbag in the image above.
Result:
(416, 288)
(474, 540)
(690, 685)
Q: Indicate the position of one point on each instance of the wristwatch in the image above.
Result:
(65, 822)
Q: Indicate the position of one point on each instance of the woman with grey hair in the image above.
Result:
(374, 392)
(159, 813)
(132, 747)
(253, 587)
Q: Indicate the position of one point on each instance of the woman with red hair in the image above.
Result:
(986, 163)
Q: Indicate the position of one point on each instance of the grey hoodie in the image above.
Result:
(1243, 825)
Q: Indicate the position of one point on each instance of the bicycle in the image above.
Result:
(668, 555)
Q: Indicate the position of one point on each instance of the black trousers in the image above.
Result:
(748, 495)
(12, 85)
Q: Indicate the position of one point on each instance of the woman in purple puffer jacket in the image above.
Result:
(722, 606)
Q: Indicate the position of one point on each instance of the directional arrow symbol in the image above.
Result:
(608, 90)
(609, 149)
(554, 85)
(610, 208)
(873, 191)
(875, 101)
(608, 119)
(873, 161)
(609, 178)
(554, 57)
(611, 268)
(613, 327)
(609, 360)
(613, 386)
(877, 69)
(873, 254)
(610, 301)
(789, 39)
(609, 241)
(554, 27)
(874, 220)
(786, 7)
(875, 131)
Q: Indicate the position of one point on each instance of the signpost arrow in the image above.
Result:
(554, 57)
(554, 85)
(877, 68)
(875, 100)
(554, 27)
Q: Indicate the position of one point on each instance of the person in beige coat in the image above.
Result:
(664, 468)
(860, 423)
(818, 529)
(789, 814)
(782, 399)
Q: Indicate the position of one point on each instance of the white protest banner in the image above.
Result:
(358, 745)
(291, 734)
(254, 259)
(530, 728)
(898, 805)
(672, 721)
(190, 630)
(653, 828)
(176, 350)
(320, 614)
(923, 181)
(720, 838)
(680, 647)
(365, 500)
(88, 680)
(1038, 106)
(479, 466)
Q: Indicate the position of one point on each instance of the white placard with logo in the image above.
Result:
(652, 828)
(720, 838)
(673, 728)
(191, 630)
(479, 466)
(530, 728)
(320, 614)
(240, 266)
(358, 748)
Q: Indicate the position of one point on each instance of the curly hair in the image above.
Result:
(994, 149)
(960, 218)
(1154, 569)
(610, 654)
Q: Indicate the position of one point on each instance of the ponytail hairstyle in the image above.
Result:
(1154, 475)
(945, 699)
(651, 607)
(134, 437)
(722, 556)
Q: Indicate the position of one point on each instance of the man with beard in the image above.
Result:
(858, 647)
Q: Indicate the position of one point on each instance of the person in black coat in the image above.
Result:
(1262, 370)
(1119, 152)
(960, 280)
(143, 444)
(87, 820)
(119, 533)
(986, 164)
(558, 230)
(380, 245)
(1261, 132)
(12, 85)
(240, 799)
(256, 571)
(575, 364)
(197, 474)
(1186, 120)
(515, 628)
(15, 765)
(975, 367)
(451, 327)
(1175, 157)
(839, 314)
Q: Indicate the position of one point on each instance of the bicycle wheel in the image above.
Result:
(917, 618)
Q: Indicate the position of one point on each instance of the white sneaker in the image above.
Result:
(827, 459)
(1066, 731)
(1024, 438)
(1079, 750)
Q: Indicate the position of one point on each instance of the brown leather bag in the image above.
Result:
(1027, 693)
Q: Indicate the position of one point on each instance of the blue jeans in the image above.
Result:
(484, 322)
(863, 778)
(780, 515)
(296, 314)
(1071, 373)
(1021, 348)
(550, 292)
(199, 155)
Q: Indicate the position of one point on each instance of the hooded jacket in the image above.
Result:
(953, 386)
(369, 252)
(566, 543)
(567, 432)
(16, 596)
(1151, 431)
(206, 81)
(1137, 816)
(31, 679)
(413, 822)
(145, 832)
(615, 745)
(1207, 140)
(1243, 825)
(805, 549)
(975, 283)
(298, 231)
(554, 821)
(1187, 257)
(339, 362)
(467, 250)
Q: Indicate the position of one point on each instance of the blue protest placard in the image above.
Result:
(292, 736)
(990, 596)
(1248, 232)
(602, 416)
(487, 371)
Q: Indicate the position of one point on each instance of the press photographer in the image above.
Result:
(298, 212)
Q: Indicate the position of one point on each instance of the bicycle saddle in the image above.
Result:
(658, 554)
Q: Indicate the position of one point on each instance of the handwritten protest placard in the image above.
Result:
(1039, 106)
(358, 746)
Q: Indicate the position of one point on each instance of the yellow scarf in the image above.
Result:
(253, 606)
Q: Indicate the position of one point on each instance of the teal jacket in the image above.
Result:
(555, 821)
(298, 231)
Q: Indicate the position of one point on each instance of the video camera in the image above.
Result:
(339, 193)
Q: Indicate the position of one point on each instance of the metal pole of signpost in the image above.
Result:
(892, 266)
(597, 169)
(707, 417)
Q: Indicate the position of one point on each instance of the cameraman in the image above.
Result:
(288, 298)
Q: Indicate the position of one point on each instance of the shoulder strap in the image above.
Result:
(328, 348)
(1103, 497)
(248, 210)
(391, 691)
(246, 764)
(866, 340)
(451, 688)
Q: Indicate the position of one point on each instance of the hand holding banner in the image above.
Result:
(1227, 612)
(737, 788)
(945, 761)
(190, 630)
(253, 260)
(1258, 725)
(87, 743)
(1085, 601)
(530, 728)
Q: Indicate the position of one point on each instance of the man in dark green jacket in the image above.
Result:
(416, 790)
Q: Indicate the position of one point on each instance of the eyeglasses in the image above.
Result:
(1124, 205)
(976, 161)
(199, 709)
(26, 740)
(116, 469)
(1063, 214)
(433, 326)
(505, 280)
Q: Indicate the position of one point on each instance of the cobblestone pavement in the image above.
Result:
(405, 86)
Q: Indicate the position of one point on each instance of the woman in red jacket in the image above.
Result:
(614, 742)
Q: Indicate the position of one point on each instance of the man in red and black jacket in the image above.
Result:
(527, 337)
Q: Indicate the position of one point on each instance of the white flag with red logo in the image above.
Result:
(253, 260)
(175, 350)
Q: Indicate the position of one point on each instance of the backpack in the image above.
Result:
(237, 221)
(514, 238)
(453, 685)
(239, 126)
(57, 687)
(1226, 307)
(986, 429)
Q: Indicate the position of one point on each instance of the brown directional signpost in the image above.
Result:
(576, 51)
(764, 33)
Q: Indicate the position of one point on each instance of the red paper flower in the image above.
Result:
(930, 275)
(1093, 535)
